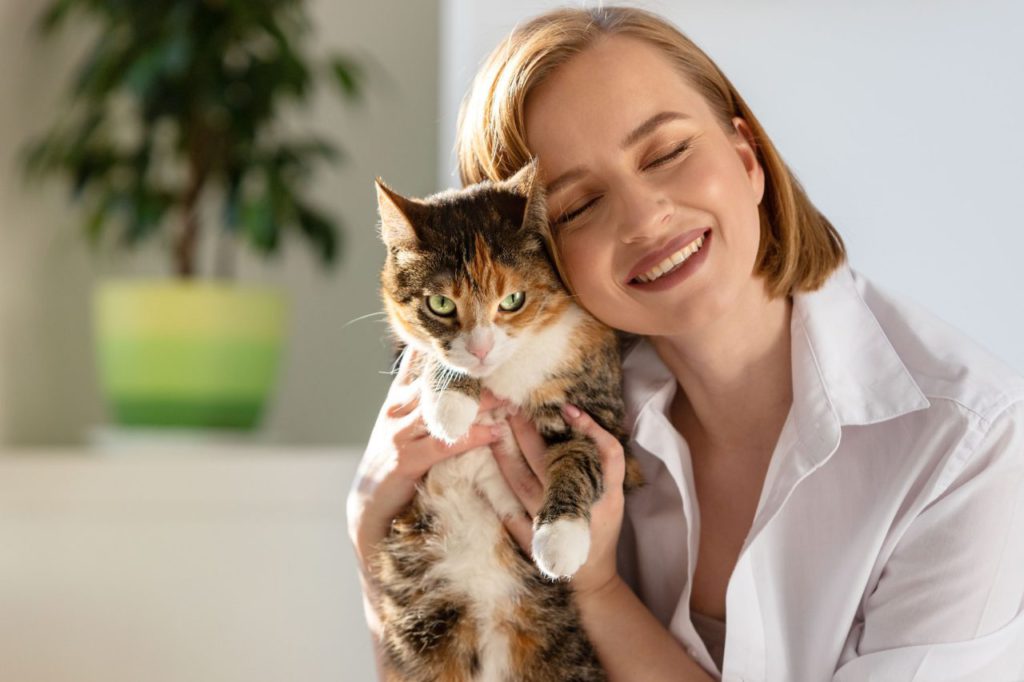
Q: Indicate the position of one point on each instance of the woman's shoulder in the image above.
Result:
(945, 363)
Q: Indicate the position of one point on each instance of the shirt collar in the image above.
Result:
(855, 364)
(845, 369)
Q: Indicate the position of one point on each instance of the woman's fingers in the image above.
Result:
(517, 472)
(426, 451)
(531, 444)
(405, 374)
(520, 527)
(404, 394)
(403, 400)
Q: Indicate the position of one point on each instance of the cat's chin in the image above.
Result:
(479, 370)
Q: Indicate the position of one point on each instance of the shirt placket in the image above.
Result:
(745, 640)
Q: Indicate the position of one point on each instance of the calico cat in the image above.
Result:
(470, 286)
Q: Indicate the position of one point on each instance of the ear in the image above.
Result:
(399, 216)
(746, 148)
(526, 182)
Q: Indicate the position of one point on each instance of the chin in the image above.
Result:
(474, 369)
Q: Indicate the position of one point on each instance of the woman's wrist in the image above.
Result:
(623, 631)
(591, 591)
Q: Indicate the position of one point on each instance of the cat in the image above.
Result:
(470, 285)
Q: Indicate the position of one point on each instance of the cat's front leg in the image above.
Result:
(561, 529)
(450, 401)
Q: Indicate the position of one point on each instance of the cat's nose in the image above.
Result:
(480, 343)
(480, 351)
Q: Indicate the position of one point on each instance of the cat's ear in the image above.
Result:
(526, 183)
(399, 217)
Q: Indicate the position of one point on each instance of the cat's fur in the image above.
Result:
(458, 599)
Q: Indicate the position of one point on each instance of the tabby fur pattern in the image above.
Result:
(458, 599)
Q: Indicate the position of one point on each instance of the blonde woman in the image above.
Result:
(834, 477)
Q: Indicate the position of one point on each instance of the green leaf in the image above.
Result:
(349, 77)
(218, 73)
(164, 60)
(53, 16)
(146, 210)
(321, 231)
(258, 223)
(97, 219)
(93, 165)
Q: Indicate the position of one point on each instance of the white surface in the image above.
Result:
(898, 118)
(222, 566)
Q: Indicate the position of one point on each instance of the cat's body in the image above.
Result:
(468, 286)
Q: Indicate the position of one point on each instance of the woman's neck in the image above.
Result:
(735, 376)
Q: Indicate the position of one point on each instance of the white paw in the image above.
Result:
(452, 415)
(561, 547)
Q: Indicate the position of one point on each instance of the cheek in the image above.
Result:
(710, 181)
(724, 188)
(583, 259)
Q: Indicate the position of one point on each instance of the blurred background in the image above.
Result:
(167, 526)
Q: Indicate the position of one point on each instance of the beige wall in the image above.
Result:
(330, 382)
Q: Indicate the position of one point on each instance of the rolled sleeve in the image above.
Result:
(949, 604)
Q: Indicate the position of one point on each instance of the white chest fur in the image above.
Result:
(471, 531)
(536, 359)
(467, 494)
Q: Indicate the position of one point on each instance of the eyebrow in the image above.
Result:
(640, 132)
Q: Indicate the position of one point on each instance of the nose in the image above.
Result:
(480, 343)
(645, 209)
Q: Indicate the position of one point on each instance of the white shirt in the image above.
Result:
(888, 542)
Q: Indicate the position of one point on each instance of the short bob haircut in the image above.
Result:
(799, 247)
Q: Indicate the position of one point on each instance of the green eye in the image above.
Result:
(513, 302)
(441, 305)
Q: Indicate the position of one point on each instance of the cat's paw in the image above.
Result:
(452, 415)
(561, 547)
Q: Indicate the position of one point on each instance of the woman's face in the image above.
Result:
(653, 205)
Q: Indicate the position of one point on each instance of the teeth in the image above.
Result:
(673, 261)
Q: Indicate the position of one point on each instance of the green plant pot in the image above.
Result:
(184, 354)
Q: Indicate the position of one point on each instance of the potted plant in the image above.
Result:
(178, 99)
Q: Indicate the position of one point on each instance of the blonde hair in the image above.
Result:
(799, 247)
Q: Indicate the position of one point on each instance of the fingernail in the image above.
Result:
(512, 408)
(496, 432)
(571, 411)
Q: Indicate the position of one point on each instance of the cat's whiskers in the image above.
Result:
(363, 317)
(398, 361)
(444, 376)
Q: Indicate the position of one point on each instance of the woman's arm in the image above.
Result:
(625, 634)
(950, 602)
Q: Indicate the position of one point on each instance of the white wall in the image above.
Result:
(330, 385)
(901, 118)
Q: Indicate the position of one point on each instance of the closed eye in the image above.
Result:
(676, 151)
(566, 217)
(671, 155)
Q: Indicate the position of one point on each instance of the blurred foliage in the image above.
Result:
(198, 87)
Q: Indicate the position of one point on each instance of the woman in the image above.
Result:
(835, 475)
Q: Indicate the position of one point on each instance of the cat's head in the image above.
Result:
(468, 277)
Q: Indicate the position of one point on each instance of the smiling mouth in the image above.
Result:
(670, 263)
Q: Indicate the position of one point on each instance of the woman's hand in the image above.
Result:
(399, 453)
(525, 473)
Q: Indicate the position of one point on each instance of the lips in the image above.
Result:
(663, 252)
